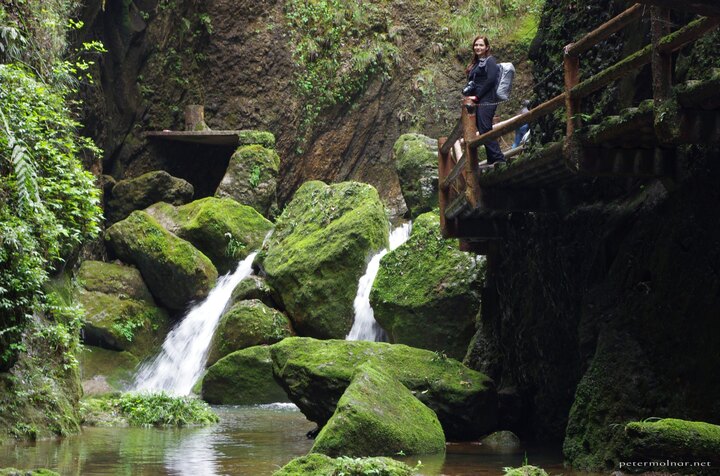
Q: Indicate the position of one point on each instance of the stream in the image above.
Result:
(249, 440)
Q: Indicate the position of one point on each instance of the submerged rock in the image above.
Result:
(315, 374)
(427, 292)
(251, 175)
(247, 324)
(502, 440)
(244, 377)
(319, 251)
(416, 161)
(221, 228)
(175, 271)
(103, 371)
(320, 465)
(141, 192)
(378, 416)
(677, 441)
(120, 313)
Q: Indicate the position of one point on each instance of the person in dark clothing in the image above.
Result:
(483, 72)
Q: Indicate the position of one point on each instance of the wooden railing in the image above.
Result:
(458, 164)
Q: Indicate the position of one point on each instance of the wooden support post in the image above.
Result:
(666, 120)
(195, 118)
(469, 128)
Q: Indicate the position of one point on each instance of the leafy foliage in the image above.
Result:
(153, 409)
(48, 203)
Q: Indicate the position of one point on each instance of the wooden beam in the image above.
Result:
(452, 138)
(604, 31)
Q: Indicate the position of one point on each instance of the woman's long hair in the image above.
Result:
(475, 56)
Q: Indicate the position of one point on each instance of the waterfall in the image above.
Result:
(181, 361)
(364, 325)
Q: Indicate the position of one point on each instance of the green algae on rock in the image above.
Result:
(316, 464)
(175, 271)
(315, 374)
(251, 177)
(221, 228)
(244, 377)
(120, 313)
(677, 441)
(378, 416)
(427, 292)
(416, 161)
(247, 324)
(319, 251)
(141, 192)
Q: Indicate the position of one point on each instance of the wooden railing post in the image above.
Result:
(666, 120)
(469, 128)
(444, 167)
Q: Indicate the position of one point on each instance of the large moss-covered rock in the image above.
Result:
(256, 287)
(527, 470)
(427, 292)
(246, 324)
(221, 228)
(175, 271)
(103, 371)
(316, 464)
(674, 440)
(378, 416)
(315, 374)
(251, 177)
(141, 192)
(416, 161)
(244, 377)
(120, 313)
(27, 472)
(319, 251)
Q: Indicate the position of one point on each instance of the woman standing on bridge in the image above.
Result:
(482, 75)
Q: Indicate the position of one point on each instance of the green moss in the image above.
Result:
(416, 161)
(255, 287)
(224, 230)
(675, 440)
(378, 416)
(247, 324)
(321, 465)
(174, 270)
(320, 249)
(244, 377)
(117, 369)
(253, 137)
(426, 293)
(527, 470)
(113, 278)
(24, 472)
(315, 374)
(148, 409)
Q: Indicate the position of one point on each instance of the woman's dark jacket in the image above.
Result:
(485, 78)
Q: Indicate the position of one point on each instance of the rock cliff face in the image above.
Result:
(606, 314)
(236, 58)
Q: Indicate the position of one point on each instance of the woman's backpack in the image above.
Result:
(506, 74)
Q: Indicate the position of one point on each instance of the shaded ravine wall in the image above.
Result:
(609, 313)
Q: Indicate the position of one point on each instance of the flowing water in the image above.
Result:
(181, 361)
(248, 441)
(364, 325)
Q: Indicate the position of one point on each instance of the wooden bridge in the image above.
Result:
(477, 201)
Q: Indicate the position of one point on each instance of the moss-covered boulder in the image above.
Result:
(416, 161)
(256, 287)
(221, 228)
(319, 251)
(120, 313)
(141, 192)
(251, 177)
(247, 324)
(501, 440)
(527, 470)
(674, 440)
(379, 416)
(315, 374)
(27, 472)
(316, 464)
(244, 377)
(174, 270)
(103, 371)
(427, 292)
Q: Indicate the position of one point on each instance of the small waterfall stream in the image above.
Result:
(181, 361)
(364, 325)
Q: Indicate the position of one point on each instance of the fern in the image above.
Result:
(21, 161)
